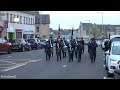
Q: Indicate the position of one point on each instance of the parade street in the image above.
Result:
(33, 65)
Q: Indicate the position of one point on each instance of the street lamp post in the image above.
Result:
(102, 23)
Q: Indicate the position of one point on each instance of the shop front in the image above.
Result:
(1, 31)
(18, 33)
(28, 34)
(11, 33)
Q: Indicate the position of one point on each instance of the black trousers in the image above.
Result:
(58, 55)
(76, 53)
(51, 51)
(83, 49)
(64, 53)
(79, 56)
(92, 56)
(70, 56)
(48, 54)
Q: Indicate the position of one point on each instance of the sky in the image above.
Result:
(69, 19)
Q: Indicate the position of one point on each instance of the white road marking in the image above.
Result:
(40, 59)
(19, 65)
(105, 78)
(8, 56)
(29, 52)
(8, 61)
(64, 65)
(13, 67)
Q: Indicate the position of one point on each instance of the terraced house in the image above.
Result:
(42, 23)
(19, 24)
(84, 29)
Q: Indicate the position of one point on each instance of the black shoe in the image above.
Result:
(91, 61)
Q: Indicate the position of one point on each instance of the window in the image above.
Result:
(10, 18)
(24, 20)
(29, 21)
(33, 21)
(20, 19)
(37, 29)
(17, 17)
(13, 18)
(7, 14)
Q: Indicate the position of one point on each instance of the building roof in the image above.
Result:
(86, 26)
(107, 27)
(42, 19)
(28, 12)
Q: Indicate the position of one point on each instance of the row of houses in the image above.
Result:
(24, 24)
(84, 28)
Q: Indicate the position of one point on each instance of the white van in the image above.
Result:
(114, 38)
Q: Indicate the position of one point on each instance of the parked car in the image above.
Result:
(20, 45)
(117, 72)
(5, 46)
(114, 38)
(35, 43)
(112, 57)
(43, 43)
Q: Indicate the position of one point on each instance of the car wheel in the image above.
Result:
(9, 50)
(109, 74)
(36, 47)
(23, 49)
(29, 48)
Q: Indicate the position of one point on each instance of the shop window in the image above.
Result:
(10, 18)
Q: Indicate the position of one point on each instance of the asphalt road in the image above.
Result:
(32, 65)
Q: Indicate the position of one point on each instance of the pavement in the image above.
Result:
(32, 65)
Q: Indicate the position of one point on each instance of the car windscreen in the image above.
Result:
(16, 40)
(116, 50)
(43, 40)
(31, 40)
(115, 39)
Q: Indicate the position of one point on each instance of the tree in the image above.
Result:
(106, 35)
(96, 32)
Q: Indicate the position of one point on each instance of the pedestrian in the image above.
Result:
(92, 45)
(48, 50)
(62, 46)
(106, 46)
(82, 41)
(70, 51)
(74, 47)
(58, 50)
(79, 50)
(51, 44)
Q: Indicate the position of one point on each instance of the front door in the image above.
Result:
(11, 35)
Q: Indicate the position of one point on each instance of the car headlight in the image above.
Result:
(113, 61)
